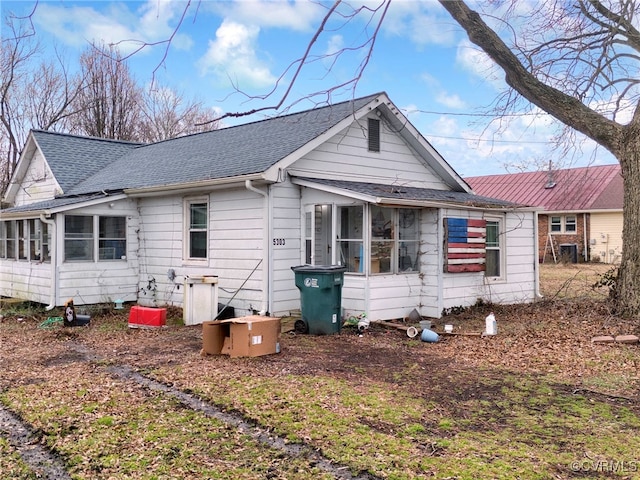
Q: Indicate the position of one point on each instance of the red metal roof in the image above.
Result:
(572, 189)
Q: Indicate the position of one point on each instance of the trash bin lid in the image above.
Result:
(319, 268)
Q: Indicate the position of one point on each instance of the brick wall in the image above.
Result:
(544, 248)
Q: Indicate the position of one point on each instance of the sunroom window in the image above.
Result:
(86, 234)
(394, 240)
(350, 239)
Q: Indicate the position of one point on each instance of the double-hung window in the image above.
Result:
(112, 242)
(84, 235)
(563, 224)
(197, 227)
(78, 237)
(494, 250)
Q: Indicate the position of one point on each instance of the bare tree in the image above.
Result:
(578, 62)
(28, 101)
(166, 114)
(108, 104)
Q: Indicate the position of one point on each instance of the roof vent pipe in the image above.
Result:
(550, 180)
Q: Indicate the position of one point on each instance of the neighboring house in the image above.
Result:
(580, 209)
(352, 183)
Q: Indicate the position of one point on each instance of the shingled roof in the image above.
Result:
(389, 193)
(229, 152)
(573, 189)
(73, 159)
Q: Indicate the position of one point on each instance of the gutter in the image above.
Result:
(188, 187)
(53, 258)
(267, 287)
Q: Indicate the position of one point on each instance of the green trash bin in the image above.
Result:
(320, 297)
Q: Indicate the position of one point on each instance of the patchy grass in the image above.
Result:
(538, 401)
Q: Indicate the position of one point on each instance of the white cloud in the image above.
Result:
(450, 100)
(74, 26)
(297, 15)
(422, 22)
(475, 61)
(233, 54)
(334, 45)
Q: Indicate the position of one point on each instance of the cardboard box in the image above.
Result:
(147, 317)
(250, 336)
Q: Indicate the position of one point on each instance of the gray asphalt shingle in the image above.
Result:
(73, 159)
(240, 150)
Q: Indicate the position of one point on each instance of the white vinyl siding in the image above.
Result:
(346, 156)
(37, 184)
(606, 236)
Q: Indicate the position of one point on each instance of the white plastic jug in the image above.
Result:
(491, 326)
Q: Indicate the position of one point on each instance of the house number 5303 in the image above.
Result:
(278, 241)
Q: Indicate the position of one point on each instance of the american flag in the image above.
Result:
(465, 241)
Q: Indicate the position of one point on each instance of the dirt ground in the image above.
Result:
(550, 338)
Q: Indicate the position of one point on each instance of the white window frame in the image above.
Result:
(563, 225)
(187, 230)
(502, 248)
(94, 241)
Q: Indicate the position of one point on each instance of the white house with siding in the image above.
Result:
(351, 184)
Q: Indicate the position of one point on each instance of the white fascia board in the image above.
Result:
(191, 187)
(48, 212)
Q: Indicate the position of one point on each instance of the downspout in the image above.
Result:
(585, 239)
(53, 248)
(266, 290)
(536, 259)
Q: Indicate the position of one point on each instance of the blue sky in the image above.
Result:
(422, 59)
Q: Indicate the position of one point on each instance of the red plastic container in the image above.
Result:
(147, 317)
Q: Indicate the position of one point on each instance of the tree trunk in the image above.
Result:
(626, 294)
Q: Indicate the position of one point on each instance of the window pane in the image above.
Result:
(3, 239)
(408, 257)
(78, 237)
(112, 243)
(349, 243)
(570, 224)
(198, 245)
(492, 266)
(35, 242)
(22, 240)
(11, 239)
(493, 233)
(381, 259)
(198, 215)
(351, 219)
(46, 240)
(408, 224)
(381, 222)
(78, 249)
(76, 226)
(351, 256)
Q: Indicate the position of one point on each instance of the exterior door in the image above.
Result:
(318, 227)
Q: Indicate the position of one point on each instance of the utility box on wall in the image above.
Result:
(200, 299)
